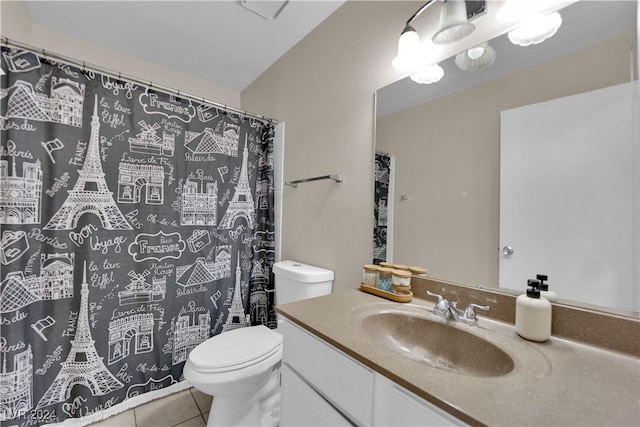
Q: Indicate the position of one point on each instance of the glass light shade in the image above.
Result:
(408, 51)
(477, 58)
(429, 74)
(453, 23)
(536, 29)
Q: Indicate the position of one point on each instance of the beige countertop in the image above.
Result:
(558, 382)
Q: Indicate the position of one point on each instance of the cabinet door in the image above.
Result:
(303, 406)
(341, 380)
(397, 406)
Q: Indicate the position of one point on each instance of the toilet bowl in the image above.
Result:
(241, 368)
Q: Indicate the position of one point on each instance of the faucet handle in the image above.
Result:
(470, 312)
(442, 306)
(435, 295)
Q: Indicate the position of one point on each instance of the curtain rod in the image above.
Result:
(115, 74)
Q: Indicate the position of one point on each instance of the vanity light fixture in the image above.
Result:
(454, 25)
(477, 58)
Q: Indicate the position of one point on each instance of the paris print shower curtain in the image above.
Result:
(380, 208)
(134, 225)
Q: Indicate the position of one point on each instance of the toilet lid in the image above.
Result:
(235, 349)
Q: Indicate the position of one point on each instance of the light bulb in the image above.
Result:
(475, 52)
(477, 58)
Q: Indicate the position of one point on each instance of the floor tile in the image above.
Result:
(124, 419)
(168, 411)
(203, 400)
(193, 422)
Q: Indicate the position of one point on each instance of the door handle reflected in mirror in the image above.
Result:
(507, 251)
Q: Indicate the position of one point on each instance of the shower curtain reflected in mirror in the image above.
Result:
(383, 208)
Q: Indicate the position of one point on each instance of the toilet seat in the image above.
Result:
(235, 349)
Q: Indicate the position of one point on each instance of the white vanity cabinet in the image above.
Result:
(397, 406)
(323, 386)
(312, 367)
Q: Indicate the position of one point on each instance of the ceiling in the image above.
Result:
(218, 41)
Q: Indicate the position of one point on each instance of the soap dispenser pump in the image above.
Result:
(544, 288)
(533, 314)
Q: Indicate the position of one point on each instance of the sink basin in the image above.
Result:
(437, 343)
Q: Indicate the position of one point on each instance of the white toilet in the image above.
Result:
(240, 368)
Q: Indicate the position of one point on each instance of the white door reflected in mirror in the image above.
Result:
(566, 196)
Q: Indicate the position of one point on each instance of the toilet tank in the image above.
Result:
(296, 281)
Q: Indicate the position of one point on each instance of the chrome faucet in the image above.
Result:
(449, 310)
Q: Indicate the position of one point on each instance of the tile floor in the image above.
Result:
(188, 408)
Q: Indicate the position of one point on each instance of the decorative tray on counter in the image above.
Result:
(399, 296)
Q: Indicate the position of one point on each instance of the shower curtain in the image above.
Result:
(381, 207)
(134, 225)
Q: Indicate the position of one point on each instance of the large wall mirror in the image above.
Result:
(543, 145)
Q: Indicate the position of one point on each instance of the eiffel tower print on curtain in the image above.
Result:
(83, 365)
(90, 194)
(242, 203)
(236, 317)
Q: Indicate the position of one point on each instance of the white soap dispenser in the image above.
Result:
(545, 292)
(533, 314)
